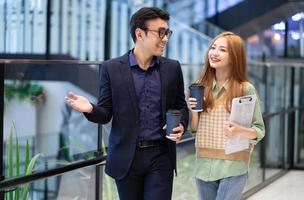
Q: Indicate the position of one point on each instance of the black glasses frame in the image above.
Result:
(162, 32)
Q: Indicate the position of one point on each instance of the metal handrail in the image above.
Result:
(277, 63)
(14, 182)
(282, 111)
(35, 61)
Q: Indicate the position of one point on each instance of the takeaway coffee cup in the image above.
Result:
(173, 118)
(197, 91)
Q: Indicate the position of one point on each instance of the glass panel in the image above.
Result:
(276, 89)
(299, 118)
(35, 112)
(288, 89)
(109, 188)
(189, 48)
(79, 184)
(296, 36)
(300, 124)
(195, 11)
(228, 3)
(185, 163)
(255, 169)
(274, 145)
(256, 77)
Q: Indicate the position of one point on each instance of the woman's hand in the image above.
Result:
(191, 103)
(232, 129)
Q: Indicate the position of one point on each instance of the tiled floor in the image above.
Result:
(288, 187)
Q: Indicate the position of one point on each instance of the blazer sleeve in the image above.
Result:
(102, 112)
(180, 99)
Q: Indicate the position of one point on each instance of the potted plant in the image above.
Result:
(14, 166)
(24, 90)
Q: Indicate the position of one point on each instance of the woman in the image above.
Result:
(223, 176)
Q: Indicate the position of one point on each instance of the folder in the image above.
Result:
(242, 110)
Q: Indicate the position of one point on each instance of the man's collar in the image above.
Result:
(133, 61)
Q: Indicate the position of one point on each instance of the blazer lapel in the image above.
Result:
(163, 80)
(126, 73)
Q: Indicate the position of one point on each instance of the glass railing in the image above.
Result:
(208, 28)
(42, 136)
(77, 184)
(188, 46)
(279, 88)
(62, 140)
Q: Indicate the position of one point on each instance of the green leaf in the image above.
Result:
(9, 91)
(17, 167)
(64, 148)
(17, 191)
(81, 147)
(103, 150)
(29, 171)
(27, 156)
(17, 158)
(35, 89)
(10, 154)
(10, 158)
(28, 165)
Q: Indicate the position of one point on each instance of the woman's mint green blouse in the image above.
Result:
(209, 169)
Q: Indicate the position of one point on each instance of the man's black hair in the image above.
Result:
(140, 17)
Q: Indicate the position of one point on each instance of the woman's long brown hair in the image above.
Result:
(238, 74)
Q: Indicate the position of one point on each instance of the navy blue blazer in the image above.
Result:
(117, 100)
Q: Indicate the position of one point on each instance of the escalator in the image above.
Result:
(251, 16)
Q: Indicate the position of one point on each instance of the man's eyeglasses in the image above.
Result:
(162, 32)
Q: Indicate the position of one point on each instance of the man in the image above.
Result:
(136, 90)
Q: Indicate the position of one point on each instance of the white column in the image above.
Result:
(114, 24)
(19, 28)
(27, 18)
(54, 44)
(92, 30)
(123, 29)
(39, 35)
(173, 43)
(83, 31)
(35, 27)
(74, 29)
(197, 58)
(301, 30)
(2, 38)
(64, 27)
(13, 27)
(100, 30)
(185, 55)
(8, 27)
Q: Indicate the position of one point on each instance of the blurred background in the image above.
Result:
(50, 47)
